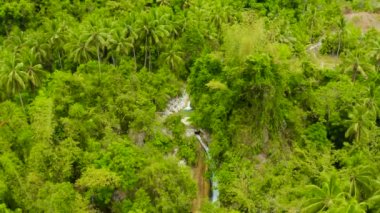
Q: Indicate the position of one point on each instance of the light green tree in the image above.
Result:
(34, 71)
(361, 121)
(96, 39)
(152, 32)
(174, 59)
(120, 45)
(79, 52)
(57, 37)
(13, 76)
(341, 33)
(324, 197)
(355, 62)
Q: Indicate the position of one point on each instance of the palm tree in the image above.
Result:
(361, 120)
(178, 23)
(371, 102)
(325, 197)
(311, 18)
(221, 13)
(356, 63)
(57, 38)
(153, 29)
(351, 206)
(132, 36)
(362, 182)
(374, 201)
(12, 76)
(163, 2)
(39, 47)
(33, 70)
(341, 32)
(79, 51)
(16, 41)
(119, 43)
(96, 38)
(186, 4)
(174, 59)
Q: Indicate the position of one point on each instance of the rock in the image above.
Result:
(177, 104)
(175, 151)
(118, 195)
(189, 132)
(186, 121)
(182, 162)
(137, 137)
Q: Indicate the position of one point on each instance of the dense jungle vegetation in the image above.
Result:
(289, 92)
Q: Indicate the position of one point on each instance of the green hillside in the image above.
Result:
(190, 106)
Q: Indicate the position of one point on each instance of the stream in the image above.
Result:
(182, 103)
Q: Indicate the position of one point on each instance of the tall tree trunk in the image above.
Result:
(134, 56)
(60, 60)
(113, 60)
(305, 6)
(97, 50)
(146, 51)
(358, 135)
(265, 139)
(312, 32)
(354, 72)
(22, 103)
(149, 59)
(340, 43)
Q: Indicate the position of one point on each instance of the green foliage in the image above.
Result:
(214, 84)
(188, 150)
(14, 130)
(41, 114)
(326, 197)
(84, 87)
(168, 185)
(17, 13)
(316, 136)
(98, 184)
(59, 197)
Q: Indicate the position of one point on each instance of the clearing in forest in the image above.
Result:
(364, 20)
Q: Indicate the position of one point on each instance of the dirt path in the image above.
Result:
(203, 183)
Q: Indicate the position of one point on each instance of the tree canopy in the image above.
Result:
(284, 93)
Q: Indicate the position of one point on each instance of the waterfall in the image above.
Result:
(177, 104)
(215, 191)
(183, 103)
(214, 182)
(204, 146)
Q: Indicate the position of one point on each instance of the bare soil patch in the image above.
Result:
(203, 183)
(364, 20)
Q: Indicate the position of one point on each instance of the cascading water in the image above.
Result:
(214, 182)
(177, 104)
(204, 146)
(215, 190)
(183, 103)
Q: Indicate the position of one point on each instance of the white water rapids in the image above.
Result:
(183, 103)
(177, 104)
